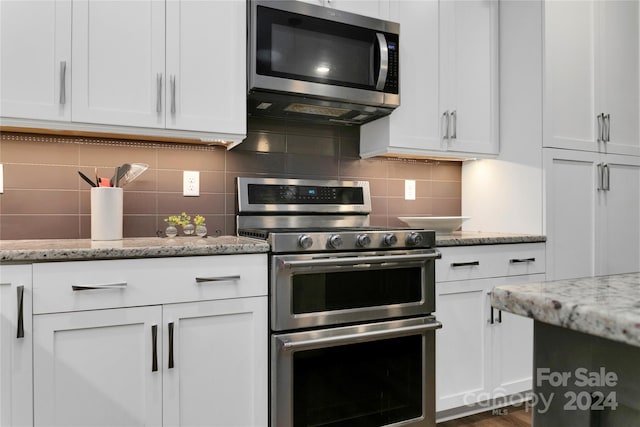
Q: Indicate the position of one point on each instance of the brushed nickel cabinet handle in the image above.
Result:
(171, 364)
(600, 119)
(607, 128)
(600, 181)
(63, 84)
(154, 348)
(606, 178)
(20, 331)
(100, 286)
(172, 81)
(446, 116)
(217, 279)
(454, 124)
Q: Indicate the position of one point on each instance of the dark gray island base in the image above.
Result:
(584, 380)
(586, 348)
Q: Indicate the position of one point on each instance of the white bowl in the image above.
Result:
(441, 224)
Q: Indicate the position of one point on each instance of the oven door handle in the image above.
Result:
(360, 261)
(359, 337)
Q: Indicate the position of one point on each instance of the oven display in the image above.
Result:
(302, 194)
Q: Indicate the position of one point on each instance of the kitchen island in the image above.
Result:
(586, 348)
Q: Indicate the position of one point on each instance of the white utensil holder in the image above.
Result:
(106, 213)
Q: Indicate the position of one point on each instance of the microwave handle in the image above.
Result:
(384, 61)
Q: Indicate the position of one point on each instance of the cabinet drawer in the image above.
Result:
(475, 262)
(61, 286)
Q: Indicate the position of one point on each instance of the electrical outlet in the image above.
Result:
(191, 183)
(1, 179)
(409, 189)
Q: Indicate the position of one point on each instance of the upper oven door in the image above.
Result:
(315, 290)
(301, 48)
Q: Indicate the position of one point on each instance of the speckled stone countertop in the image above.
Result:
(605, 306)
(16, 251)
(470, 238)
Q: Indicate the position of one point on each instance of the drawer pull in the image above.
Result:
(20, 332)
(154, 348)
(217, 279)
(465, 264)
(101, 286)
(521, 260)
(170, 365)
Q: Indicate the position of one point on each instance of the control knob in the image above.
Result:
(335, 241)
(389, 239)
(414, 239)
(305, 241)
(363, 240)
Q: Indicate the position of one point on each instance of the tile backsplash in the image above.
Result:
(44, 197)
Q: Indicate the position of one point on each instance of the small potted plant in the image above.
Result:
(201, 229)
(187, 227)
(172, 228)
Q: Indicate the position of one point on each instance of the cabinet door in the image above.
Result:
(206, 78)
(619, 65)
(512, 348)
(35, 59)
(95, 368)
(469, 74)
(16, 385)
(219, 371)
(416, 124)
(570, 98)
(119, 62)
(462, 366)
(570, 214)
(619, 224)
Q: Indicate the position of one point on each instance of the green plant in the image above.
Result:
(198, 220)
(173, 220)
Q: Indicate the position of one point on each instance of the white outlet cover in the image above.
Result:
(1, 179)
(191, 183)
(409, 189)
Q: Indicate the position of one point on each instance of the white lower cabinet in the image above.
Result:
(16, 380)
(195, 356)
(592, 211)
(482, 354)
(95, 368)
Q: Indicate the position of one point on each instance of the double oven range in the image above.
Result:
(352, 332)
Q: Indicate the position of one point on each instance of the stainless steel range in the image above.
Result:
(352, 335)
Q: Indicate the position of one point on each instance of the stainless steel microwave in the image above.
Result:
(321, 64)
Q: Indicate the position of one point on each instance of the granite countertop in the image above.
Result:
(143, 247)
(604, 306)
(470, 238)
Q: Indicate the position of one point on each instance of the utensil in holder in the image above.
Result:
(106, 213)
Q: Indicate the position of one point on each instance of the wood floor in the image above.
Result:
(512, 417)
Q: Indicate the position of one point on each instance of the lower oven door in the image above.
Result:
(371, 375)
(311, 290)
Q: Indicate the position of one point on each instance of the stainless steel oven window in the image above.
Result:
(311, 291)
(379, 374)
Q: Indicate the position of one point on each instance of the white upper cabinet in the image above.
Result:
(206, 62)
(118, 58)
(592, 53)
(448, 82)
(35, 59)
(174, 68)
(373, 8)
